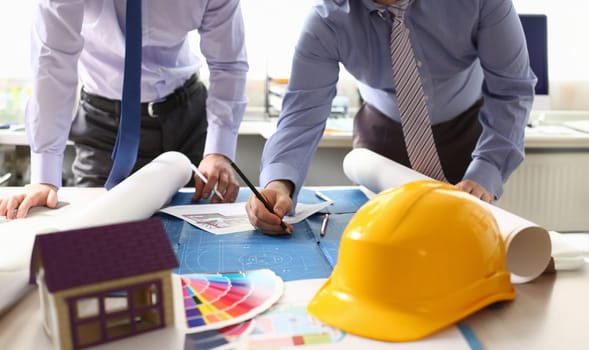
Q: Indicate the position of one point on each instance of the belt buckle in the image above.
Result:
(150, 105)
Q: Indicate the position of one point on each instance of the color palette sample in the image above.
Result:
(230, 337)
(289, 325)
(213, 301)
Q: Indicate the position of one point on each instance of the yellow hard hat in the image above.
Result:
(413, 260)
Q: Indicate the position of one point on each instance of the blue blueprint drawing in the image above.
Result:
(302, 255)
(329, 243)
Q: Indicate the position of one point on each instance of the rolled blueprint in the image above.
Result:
(135, 198)
(528, 246)
(139, 196)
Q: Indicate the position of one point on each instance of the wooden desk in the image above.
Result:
(549, 313)
(552, 312)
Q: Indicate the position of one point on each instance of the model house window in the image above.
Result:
(114, 314)
(87, 307)
(116, 302)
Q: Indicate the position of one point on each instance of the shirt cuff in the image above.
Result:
(46, 168)
(487, 175)
(221, 141)
(282, 171)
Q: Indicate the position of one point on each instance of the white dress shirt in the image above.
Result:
(77, 41)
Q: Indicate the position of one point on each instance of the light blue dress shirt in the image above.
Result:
(83, 41)
(465, 48)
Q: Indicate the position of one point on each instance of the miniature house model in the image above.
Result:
(104, 283)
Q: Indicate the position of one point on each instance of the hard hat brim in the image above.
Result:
(377, 319)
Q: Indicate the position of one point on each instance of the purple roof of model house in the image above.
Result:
(103, 253)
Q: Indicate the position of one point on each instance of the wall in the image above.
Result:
(568, 52)
(326, 167)
(272, 27)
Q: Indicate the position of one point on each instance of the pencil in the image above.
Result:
(258, 194)
(204, 179)
(324, 224)
(323, 196)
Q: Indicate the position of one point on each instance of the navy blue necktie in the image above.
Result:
(127, 145)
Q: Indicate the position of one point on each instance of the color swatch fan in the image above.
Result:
(213, 301)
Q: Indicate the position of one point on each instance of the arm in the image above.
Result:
(226, 101)
(56, 44)
(508, 91)
(306, 105)
(278, 195)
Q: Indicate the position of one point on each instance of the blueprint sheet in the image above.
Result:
(302, 255)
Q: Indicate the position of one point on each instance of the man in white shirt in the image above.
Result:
(83, 42)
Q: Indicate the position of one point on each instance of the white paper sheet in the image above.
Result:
(14, 284)
(17, 236)
(569, 251)
(137, 197)
(227, 218)
(528, 245)
(291, 315)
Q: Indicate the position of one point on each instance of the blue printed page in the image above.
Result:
(303, 255)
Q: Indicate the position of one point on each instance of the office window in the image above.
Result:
(568, 52)
(15, 74)
(272, 28)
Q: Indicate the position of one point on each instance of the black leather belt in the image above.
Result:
(153, 109)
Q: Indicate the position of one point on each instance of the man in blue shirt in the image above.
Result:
(83, 42)
(474, 68)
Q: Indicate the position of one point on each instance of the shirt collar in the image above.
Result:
(373, 6)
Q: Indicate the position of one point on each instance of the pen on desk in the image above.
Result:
(323, 196)
(324, 224)
(204, 179)
(258, 194)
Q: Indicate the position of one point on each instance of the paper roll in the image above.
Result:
(139, 196)
(135, 198)
(528, 245)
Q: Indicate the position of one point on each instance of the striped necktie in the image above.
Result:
(127, 145)
(414, 114)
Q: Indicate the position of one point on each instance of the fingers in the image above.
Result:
(24, 206)
(9, 206)
(227, 186)
(210, 185)
(51, 201)
(265, 221)
(18, 206)
(487, 197)
(476, 190)
(221, 181)
(198, 189)
(3, 203)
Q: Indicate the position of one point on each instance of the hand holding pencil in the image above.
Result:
(214, 176)
(264, 209)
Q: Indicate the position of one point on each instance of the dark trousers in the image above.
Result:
(94, 131)
(455, 140)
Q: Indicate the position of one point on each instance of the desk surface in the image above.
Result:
(550, 312)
